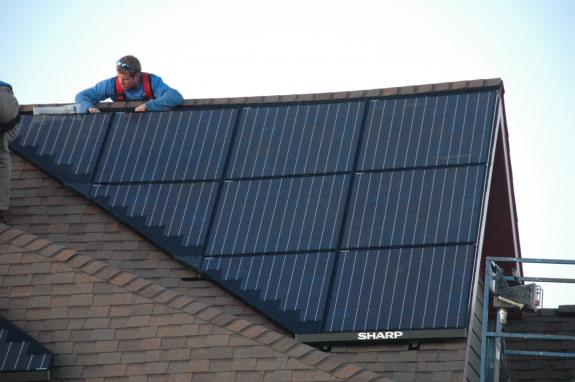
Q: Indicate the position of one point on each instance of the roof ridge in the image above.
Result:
(329, 363)
(440, 87)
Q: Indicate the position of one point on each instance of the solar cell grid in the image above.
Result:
(407, 288)
(167, 146)
(414, 207)
(296, 140)
(427, 131)
(298, 282)
(180, 209)
(73, 140)
(359, 214)
(279, 215)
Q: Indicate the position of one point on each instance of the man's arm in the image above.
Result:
(87, 98)
(166, 97)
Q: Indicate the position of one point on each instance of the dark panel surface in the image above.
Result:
(427, 131)
(406, 288)
(167, 146)
(178, 209)
(279, 215)
(415, 207)
(285, 282)
(73, 140)
(295, 140)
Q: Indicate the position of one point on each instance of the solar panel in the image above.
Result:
(427, 131)
(405, 288)
(64, 140)
(327, 217)
(279, 215)
(281, 284)
(296, 140)
(167, 146)
(431, 206)
(19, 352)
(178, 209)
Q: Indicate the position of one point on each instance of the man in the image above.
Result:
(9, 117)
(130, 84)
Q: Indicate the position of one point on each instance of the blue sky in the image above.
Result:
(216, 48)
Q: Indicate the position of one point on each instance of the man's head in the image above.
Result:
(129, 69)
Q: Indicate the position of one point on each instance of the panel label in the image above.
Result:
(379, 335)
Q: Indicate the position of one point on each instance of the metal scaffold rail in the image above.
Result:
(513, 297)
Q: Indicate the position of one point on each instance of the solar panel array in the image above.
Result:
(327, 217)
(19, 352)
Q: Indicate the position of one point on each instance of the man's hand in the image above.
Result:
(140, 108)
(93, 110)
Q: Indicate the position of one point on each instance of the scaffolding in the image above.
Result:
(493, 351)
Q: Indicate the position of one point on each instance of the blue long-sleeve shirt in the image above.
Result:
(165, 96)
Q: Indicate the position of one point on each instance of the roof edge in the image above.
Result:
(331, 364)
(330, 96)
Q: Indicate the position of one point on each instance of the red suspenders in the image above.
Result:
(147, 88)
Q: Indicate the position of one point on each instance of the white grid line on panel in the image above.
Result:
(260, 144)
(383, 286)
(360, 295)
(331, 138)
(57, 138)
(324, 224)
(127, 161)
(72, 150)
(251, 218)
(339, 286)
(183, 143)
(323, 128)
(283, 172)
(269, 143)
(165, 128)
(99, 142)
(287, 291)
(174, 142)
(44, 148)
(30, 126)
(272, 223)
(339, 208)
(311, 138)
(205, 135)
(314, 220)
(323, 280)
(177, 204)
(250, 141)
(280, 276)
(63, 145)
(356, 123)
(227, 230)
(193, 143)
(296, 204)
(440, 281)
(223, 153)
(146, 165)
(165, 201)
(399, 255)
(463, 283)
(269, 186)
(300, 140)
(425, 304)
(236, 155)
(184, 213)
(107, 153)
(417, 287)
(202, 224)
(150, 148)
(371, 289)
